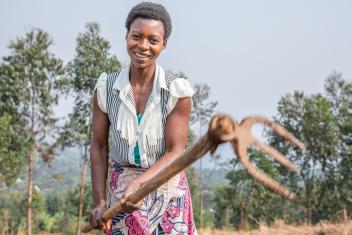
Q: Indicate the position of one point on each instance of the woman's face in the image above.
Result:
(145, 41)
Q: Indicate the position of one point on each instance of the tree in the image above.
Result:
(203, 109)
(314, 120)
(339, 93)
(36, 75)
(244, 201)
(91, 59)
(201, 113)
(323, 121)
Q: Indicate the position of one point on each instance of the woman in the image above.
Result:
(146, 111)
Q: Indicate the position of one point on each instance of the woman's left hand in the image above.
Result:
(127, 205)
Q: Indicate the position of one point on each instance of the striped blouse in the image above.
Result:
(115, 97)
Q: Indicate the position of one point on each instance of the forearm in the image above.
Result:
(158, 166)
(175, 140)
(99, 170)
(175, 135)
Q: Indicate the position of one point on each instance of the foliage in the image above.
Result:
(12, 149)
(53, 204)
(31, 76)
(37, 74)
(321, 122)
(244, 201)
(339, 94)
(11, 220)
(91, 59)
(202, 108)
(52, 212)
(72, 201)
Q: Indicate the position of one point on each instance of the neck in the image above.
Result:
(142, 77)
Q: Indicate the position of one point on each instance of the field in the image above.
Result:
(281, 229)
(277, 229)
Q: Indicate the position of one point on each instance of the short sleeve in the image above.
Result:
(179, 88)
(100, 86)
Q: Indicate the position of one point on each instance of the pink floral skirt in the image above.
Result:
(168, 210)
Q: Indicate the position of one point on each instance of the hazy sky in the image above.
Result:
(249, 52)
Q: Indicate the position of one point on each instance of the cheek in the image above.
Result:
(157, 50)
(130, 44)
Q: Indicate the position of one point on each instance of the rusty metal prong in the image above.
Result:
(251, 120)
(275, 154)
(241, 151)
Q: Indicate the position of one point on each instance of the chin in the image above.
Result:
(142, 65)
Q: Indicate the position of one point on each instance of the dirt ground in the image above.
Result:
(279, 228)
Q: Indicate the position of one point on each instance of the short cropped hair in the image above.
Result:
(152, 11)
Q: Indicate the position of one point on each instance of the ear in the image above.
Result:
(164, 44)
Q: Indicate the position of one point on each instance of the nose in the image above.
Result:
(143, 44)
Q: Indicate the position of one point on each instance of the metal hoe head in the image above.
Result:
(241, 139)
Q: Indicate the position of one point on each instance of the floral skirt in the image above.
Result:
(168, 210)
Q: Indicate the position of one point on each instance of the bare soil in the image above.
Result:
(279, 228)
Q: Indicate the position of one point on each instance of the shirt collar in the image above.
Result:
(123, 80)
(123, 84)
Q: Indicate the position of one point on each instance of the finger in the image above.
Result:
(129, 207)
(123, 200)
(101, 225)
(107, 227)
(93, 224)
(98, 219)
(139, 204)
(135, 206)
(92, 221)
(108, 224)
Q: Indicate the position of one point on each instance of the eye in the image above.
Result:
(153, 41)
(135, 36)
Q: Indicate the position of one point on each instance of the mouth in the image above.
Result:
(141, 55)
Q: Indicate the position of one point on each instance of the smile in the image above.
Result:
(139, 55)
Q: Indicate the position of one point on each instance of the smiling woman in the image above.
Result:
(145, 41)
(146, 112)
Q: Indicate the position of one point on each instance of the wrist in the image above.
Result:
(139, 181)
(100, 204)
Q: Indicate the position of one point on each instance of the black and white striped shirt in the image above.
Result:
(115, 97)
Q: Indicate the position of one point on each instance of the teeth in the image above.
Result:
(140, 55)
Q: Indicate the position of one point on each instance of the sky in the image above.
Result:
(249, 52)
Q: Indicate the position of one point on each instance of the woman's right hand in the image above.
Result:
(95, 219)
(130, 189)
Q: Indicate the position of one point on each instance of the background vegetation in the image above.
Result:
(43, 159)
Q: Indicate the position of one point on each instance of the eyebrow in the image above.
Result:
(153, 35)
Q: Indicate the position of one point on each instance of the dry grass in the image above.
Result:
(279, 228)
